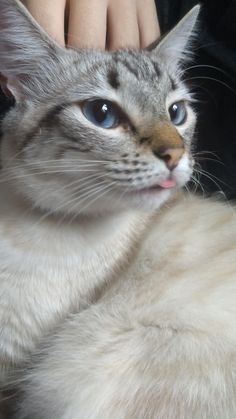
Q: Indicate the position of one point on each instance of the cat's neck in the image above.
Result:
(58, 266)
(12, 202)
(110, 236)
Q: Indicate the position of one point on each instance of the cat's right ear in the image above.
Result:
(27, 54)
(175, 48)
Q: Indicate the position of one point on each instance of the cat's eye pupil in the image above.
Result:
(101, 113)
(174, 108)
(178, 113)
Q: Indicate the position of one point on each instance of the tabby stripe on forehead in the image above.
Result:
(173, 84)
(156, 68)
(112, 77)
(129, 67)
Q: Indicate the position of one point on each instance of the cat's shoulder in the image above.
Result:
(189, 232)
(196, 214)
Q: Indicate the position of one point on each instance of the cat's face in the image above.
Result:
(97, 131)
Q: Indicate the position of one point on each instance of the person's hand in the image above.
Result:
(104, 24)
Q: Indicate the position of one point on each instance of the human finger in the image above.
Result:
(50, 14)
(87, 23)
(122, 24)
(149, 29)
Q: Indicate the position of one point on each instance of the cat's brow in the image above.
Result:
(113, 79)
(148, 69)
(173, 83)
(156, 68)
(129, 67)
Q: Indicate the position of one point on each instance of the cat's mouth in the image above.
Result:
(168, 183)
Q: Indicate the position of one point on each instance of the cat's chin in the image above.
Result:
(150, 198)
(147, 199)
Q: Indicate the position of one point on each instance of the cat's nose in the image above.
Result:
(171, 156)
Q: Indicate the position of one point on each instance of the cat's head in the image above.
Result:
(92, 130)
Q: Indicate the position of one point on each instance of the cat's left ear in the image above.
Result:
(175, 47)
(27, 54)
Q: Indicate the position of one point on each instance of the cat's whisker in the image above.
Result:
(41, 167)
(202, 155)
(208, 66)
(211, 176)
(109, 187)
(197, 183)
(197, 153)
(206, 44)
(62, 164)
(56, 162)
(11, 177)
(89, 189)
(14, 157)
(71, 160)
(213, 79)
(187, 189)
(196, 173)
(86, 191)
(9, 397)
(201, 100)
(206, 174)
(90, 203)
(118, 199)
(91, 193)
(213, 160)
(77, 184)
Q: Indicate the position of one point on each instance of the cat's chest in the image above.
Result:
(50, 269)
(63, 260)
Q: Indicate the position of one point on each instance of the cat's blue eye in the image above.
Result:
(178, 113)
(102, 113)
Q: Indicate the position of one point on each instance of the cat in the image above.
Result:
(117, 295)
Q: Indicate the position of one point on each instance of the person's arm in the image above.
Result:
(105, 24)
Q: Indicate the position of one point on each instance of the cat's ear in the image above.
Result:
(26, 52)
(175, 47)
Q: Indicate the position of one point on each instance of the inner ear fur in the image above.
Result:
(26, 51)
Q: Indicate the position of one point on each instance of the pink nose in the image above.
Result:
(171, 156)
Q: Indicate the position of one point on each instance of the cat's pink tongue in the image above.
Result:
(168, 183)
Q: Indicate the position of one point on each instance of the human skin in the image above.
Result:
(104, 24)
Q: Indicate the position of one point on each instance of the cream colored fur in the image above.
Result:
(161, 342)
(49, 269)
(71, 210)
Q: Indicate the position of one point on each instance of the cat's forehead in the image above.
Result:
(132, 78)
(137, 64)
(130, 70)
